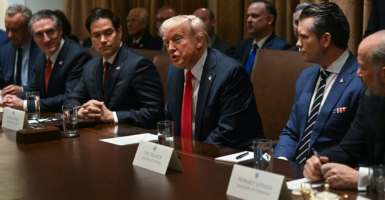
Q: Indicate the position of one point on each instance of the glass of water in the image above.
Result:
(263, 154)
(70, 121)
(377, 180)
(33, 104)
(166, 133)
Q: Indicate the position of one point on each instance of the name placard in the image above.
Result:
(14, 119)
(156, 157)
(249, 183)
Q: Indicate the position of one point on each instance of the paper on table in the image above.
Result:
(292, 185)
(33, 121)
(132, 139)
(232, 157)
(361, 198)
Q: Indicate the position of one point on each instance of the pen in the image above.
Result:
(242, 155)
(316, 154)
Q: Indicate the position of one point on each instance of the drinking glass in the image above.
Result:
(166, 133)
(70, 121)
(33, 104)
(263, 154)
(377, 180)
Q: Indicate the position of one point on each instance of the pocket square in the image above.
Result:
(340, 110)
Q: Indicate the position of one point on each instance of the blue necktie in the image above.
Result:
(250, 60)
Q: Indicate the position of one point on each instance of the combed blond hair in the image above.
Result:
(196, 26)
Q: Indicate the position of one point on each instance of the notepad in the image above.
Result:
(232, 157)
(292, 185)
(132, 139)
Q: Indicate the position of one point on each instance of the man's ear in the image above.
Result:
(200, 41)
(326, 39)
(382, 75)
(270, 19)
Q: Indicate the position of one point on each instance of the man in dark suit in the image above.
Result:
(210, 97)
(17, 58)
(327, 95)
(208, 18)
(261, 17)
(137, 20)
(377, 18)
(366, 137)
(58, 67)
(120, 86)
(164, 13)
(3, 38)
(297, 13)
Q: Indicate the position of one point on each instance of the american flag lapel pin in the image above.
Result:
(342, 80)
(118, 68)
(61, 62)
(209, 78)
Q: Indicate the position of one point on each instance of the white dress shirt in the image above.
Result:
(195, 82)
(260, 43)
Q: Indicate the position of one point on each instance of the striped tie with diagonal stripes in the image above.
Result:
(305, 142)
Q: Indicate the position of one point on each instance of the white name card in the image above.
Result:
(14, 119)
(249, 183)
(156, 157)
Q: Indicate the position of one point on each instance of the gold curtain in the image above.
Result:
(232, 28)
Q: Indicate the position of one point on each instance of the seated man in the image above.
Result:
(261, 17)
(137, 20)
(366, 136)
(57, 69)
(120, 86)
(296, 14)
(164, 13)
(326, 95)
(210, 97)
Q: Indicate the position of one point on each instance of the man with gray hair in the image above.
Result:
(366, 137)
(58, 67)
(17, 57)
(137, 20)
(210, 97)
(296, 15)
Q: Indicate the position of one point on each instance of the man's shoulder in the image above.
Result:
(5, 48)
(277, 43)
(247, 41)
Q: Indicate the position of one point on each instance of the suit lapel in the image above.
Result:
(11, 65)
(60, 61)
(269, 41)
(204, 89)
(33, 50)
(347, 74)
(246, 51)
(98, 77)
(177, 90)
(114, 72)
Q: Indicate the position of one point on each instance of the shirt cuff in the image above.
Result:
(283, 158)
(116, 121)
(363, 178)
(22, 88)
(25, 107)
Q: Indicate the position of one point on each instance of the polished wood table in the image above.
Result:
(86, 168)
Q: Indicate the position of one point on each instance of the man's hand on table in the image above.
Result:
(96, 110)
(312, 170)
(12, 101)
(340, 176)
(11, 89)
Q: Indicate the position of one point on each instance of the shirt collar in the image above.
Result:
(112, 58)
(137, 41)
(25, 47)
(198, 67)
(337, 65)
(54, 55)
(261, 42)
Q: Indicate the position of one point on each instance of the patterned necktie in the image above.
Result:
(48, 70)
(186, 126)
(18, 64)
(250, 60)
(106, 70)
(305, 142)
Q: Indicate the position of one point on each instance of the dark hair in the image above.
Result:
(270, 9)
(64, 22)
(328, 18)
(101, 13)
(44, 14)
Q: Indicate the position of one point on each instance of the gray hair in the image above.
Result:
(143, 14)
(44, 14)
(377, 56)
(18, 8)
(300, 6)
(196, 28)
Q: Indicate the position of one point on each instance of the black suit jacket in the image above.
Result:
(223, 47)
(143, 42)
(226, 111)
(133, 88)
(377, 17)
(65, 74)
(366, 137)
(155, 44)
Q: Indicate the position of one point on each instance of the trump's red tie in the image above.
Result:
(48, 70)
(186, 127)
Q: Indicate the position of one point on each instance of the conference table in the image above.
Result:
(87, 168)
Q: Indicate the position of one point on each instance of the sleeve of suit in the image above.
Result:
(78, 63)
(79, 95)
(149, 94)
(238, 114)
(373, 23)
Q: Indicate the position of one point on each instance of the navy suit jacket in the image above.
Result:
(242, 51)
(143, 42)
(133, 89)
(7, 63)
(65, 74)
(330, 127)
(3, 38)
(226, 111)
(223, 47)
(377, 17)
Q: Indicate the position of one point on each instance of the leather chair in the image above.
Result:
(150, 54)
(274, 76)
(161, 62)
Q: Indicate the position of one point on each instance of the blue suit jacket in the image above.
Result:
(7, 63)
(330, 127)
(133, 88)
(3, 38)
(242, 51)
(226, 111)
(65, 74)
